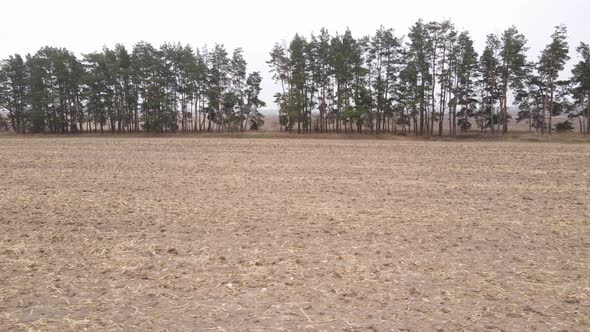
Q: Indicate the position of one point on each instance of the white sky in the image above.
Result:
(84, 26)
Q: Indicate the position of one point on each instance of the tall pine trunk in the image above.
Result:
(551, 90)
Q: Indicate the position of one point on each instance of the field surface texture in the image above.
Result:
(194, 234)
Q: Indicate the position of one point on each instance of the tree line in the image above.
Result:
(167, 89)
(430, 82)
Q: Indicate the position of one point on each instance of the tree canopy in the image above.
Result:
(430, 82)
(167, 89)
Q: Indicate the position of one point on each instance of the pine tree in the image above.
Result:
(489, 68)
(253, 103)
(465, 62)
(419, 51)
(512, 69)
(581, 81)
(530, 102)
(553, 59)
(13, 92)
(298, 80)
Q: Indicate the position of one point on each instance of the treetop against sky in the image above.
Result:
(325, 80)
(85, 26)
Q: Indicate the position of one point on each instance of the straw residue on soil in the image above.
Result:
(247, 234)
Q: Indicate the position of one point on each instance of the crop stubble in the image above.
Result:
(257, 234)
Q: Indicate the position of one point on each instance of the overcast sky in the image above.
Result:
(84, 26)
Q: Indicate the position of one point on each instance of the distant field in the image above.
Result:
(271, 123)
(185, 233)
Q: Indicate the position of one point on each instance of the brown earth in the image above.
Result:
(196, 234)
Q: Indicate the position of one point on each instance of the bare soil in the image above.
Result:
(194, 234)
